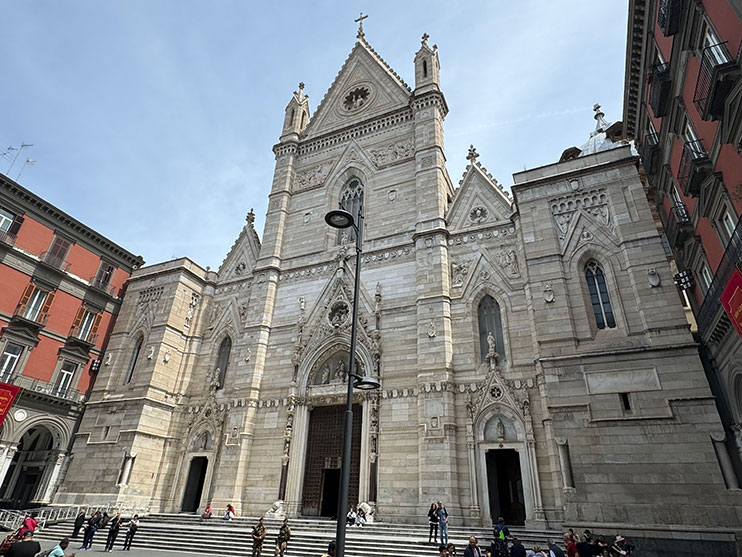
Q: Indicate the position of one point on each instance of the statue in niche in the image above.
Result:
(500, 430)
(338, 314)
(324, 377)
(214, 380)
(491, 343)
(340, 372)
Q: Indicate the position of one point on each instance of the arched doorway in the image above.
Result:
(195, 484)
(29, 469)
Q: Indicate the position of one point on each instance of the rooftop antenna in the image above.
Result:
(17, 152)
(28, 162)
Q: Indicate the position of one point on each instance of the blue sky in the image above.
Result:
(153, 122)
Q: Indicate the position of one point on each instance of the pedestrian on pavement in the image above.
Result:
(282, 541)
(517, 549)
(554, 549)
(79, 521)
(90, 530)
(27, 547)
(29, 523)
(58, 550)
(473, 550)
(570, 542)
(330, 550)
(130, 531)
(443, 522)
(113, 531)
(258, 535)
(433, 522)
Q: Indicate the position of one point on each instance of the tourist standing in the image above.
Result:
(570, 542)
(258, 535)
(554, 549)
(433, 522)
(58, 550)
(79, 521)
(443, 522)
(27, 547)
(473, 550)
(113, 532)
(282, 541)
(517, 549)
(92, 528)
(130, 531)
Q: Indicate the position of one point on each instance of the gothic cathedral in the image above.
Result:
(534, 359)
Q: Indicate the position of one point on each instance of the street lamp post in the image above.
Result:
(343, 219)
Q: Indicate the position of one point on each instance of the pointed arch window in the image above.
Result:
(133, 361)
(351, 200)
(488, 314)
(599, 298)
(222, 359)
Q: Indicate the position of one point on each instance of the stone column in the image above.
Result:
(51, 484)
(725, 461)
(565, 462)
(6, 458)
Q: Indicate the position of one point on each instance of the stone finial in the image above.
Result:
(301, 86)
(250, 218)
(472, 155)
(425, 38)
(359, 21)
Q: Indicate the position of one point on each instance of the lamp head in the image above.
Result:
(365, 383)
(339, 219)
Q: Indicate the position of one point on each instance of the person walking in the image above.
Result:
(113, 532)
(554, 549)
(27, 547)
(258, 535)
(130, 531)
(90, 530)
(517, 549)
(29, 524)
(433, 522)
(79, 521)
(473, 550)
(282, 541)
(58, 550)
(443, 522)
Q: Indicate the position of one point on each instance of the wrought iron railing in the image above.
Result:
(46, 516)
(103, 285)
(668, 16)
(659, 95)
(694, 154)
(7, 238)
(54, 260)
(40, 318)
(710, 89)
(678, 226)
(649, 151)
(39, 386)
(712, 301)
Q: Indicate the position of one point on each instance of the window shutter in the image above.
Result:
(78, 318)
(26, 297)
(96, 324)
(45, 308)
(15, 226)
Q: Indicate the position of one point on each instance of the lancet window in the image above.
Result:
(488, 313)
(222, 360)
(351, 200)
(599, 298)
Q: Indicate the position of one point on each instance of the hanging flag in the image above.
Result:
(731, 299)
(7, 396)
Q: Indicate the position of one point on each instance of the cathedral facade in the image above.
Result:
(534, 358)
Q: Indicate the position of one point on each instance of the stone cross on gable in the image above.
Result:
(472, 155)
(425, 38)
(359, 21)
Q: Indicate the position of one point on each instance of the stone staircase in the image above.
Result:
(309, 537)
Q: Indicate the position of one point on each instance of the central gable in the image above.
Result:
(365, 87)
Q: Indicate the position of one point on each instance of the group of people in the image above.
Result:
(356, 518)
(101, 521)
(506, 545)
(438, 520)
(28, 547)
(259, 532)
(209, 512)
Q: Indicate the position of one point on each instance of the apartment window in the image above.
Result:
(726, 222)
(86, 323)
(64, 379)
(599, 298)
(706, 278)
(713, 47)
(9, 360)
(6, 219)
(35, 303)
(688, 133)
(105, 273)
(57, 252)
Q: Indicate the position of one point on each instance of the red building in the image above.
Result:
(60, 290)
(683, 106)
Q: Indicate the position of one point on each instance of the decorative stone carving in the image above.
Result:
(166, 356)
(377, 298)
(312, 177)
(109, 359)
(459, 272)
(594, 203)
(149, 298)
(431, 329)
(193, 304)
(216, 310)
(213, 381)
(243, 314)
(151, 353)
(392, 195)
(276, 511)
(548, 293)
(338, 313)
(356, 98)
(508, 260)
(478, 214)
(397, 151)
(654, 278)
(472, 155)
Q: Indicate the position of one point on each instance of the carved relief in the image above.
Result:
(195, 299)
(459, 272)
(508, 260)
(594, 203)
(149, 298)
(397, 151)
(478, 214)
(338, 313)
(312, 177)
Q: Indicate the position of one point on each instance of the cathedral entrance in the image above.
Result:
(323, 457)
(27, 472)
(195, 484)
(505, 486)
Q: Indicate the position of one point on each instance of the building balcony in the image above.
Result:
(38, 387)
(55, 261)
(695, 166)
(34, 322)
(650, 153)
(716, 79)
(678, 226)
(83, 337)
(102, 285)
(731, 259)
(668, 16)
(7, 238)
(659, 95)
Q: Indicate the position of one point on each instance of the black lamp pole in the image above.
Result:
(342, 219)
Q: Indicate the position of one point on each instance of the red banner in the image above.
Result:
(731, 299)
(7, 396)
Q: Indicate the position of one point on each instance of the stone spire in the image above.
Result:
(427, 67)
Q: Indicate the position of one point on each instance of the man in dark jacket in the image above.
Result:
(555, 550)
(27, 547)
(472, 550)
(517, 549)
(79, 521)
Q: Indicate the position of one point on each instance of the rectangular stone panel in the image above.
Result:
(622, 381)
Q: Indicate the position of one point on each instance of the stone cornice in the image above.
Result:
(506, 230)
(635, 42)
